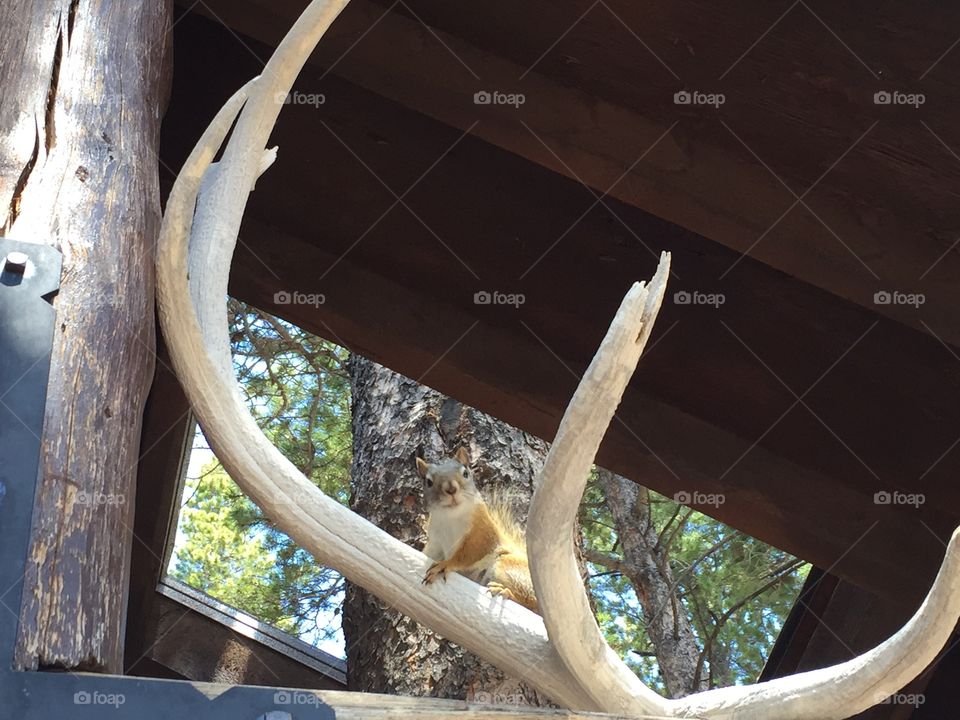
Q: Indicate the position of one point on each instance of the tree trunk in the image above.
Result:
(394, 419)
(82, 87)
(646, 564)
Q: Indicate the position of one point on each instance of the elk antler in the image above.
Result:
(567, 658)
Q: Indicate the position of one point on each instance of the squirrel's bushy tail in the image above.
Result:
(500, 503)
(511, 570)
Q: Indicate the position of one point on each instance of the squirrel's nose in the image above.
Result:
(450, 489)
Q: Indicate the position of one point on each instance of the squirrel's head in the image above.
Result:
(448, 483)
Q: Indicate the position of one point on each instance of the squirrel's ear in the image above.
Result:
(422, 467)
(462, 457)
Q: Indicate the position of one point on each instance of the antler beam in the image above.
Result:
(844, 690)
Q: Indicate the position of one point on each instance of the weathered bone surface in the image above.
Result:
(564, 655)
(551, 524)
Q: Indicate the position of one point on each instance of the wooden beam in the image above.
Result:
(710, 410)
(83, 88)
(799, 116)
(941, 693)
(371, 706)
(209, 642)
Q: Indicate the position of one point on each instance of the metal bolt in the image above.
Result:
(16, 262)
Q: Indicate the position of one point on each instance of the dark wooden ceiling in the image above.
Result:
(799, 398)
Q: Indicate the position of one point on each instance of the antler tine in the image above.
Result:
(226, 189)
(843, 690)
(553, 511)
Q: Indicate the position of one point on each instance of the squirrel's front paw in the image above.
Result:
(438, 568)
(496, 589)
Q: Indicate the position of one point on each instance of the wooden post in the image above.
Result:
(82, 88)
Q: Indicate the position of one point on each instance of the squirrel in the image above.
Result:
(465, 534)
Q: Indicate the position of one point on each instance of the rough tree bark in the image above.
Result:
(646, 564)
(82, 87)
(394, 418)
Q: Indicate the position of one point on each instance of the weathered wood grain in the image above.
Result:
(357, 706)
(197, 646)
(82, 87)
(599, 82)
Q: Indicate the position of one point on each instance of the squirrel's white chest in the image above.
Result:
(446, 528)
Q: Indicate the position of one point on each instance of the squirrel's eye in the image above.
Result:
(463, 471)
(429, 482)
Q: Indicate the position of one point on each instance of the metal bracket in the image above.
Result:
(29, 278)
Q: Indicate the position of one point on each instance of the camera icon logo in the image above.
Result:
(81, 698)
(282, 297)
(482, 298)
(282, 697)
(882, 297)
(882, 97)
(682, 97)
(682, 297)
(882, 498)
(682, 497)
(482, 97)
